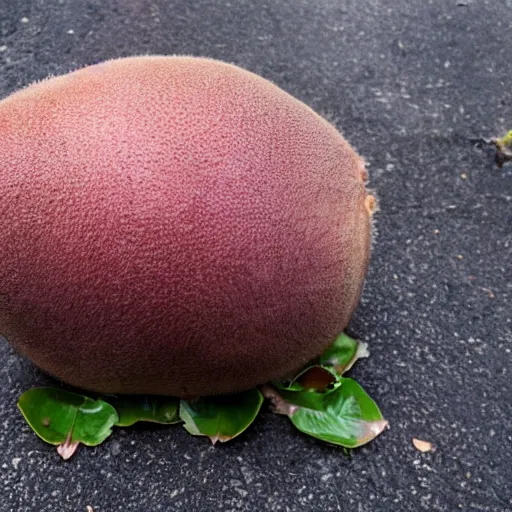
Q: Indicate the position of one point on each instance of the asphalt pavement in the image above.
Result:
(417, 87)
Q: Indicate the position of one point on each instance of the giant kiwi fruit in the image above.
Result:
(175, 226)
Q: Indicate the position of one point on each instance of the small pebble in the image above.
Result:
(116, 448)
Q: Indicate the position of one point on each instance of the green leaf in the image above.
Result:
(504, 148)
(221, 418)
(325, 371)
(343, 353)
(134, 408)
(318, 378)
(506, 141)
(346, 416)
(66, 419)
(349, 418)
(301, 398)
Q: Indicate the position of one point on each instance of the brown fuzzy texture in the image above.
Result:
(176, 226)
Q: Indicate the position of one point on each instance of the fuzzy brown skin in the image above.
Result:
(175, 226)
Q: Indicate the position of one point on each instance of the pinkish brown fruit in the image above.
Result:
(176, 226)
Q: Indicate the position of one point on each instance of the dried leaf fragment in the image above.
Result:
(422, 446)
(67, 448)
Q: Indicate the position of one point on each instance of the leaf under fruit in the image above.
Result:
(343, 353)
(312, 378)
(66, 419)
(325, 373)
(221, 418)
(155, 409)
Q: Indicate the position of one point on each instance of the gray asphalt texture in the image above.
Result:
(413, 85)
